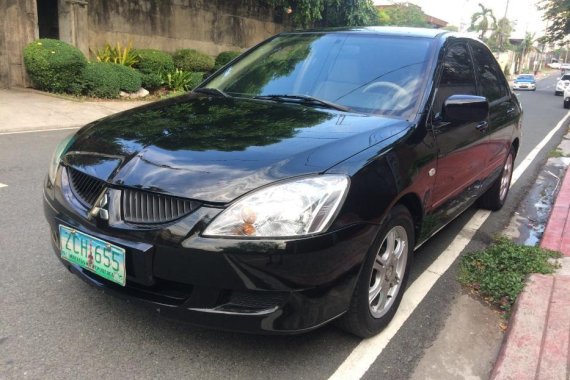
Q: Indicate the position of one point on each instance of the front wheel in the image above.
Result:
(567, 103)
(495, 197)
(383, 277)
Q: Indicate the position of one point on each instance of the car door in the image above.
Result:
(504, 111)
(461, 145)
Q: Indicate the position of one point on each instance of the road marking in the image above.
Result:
(37, 130)
(364, 355)
(2, 185)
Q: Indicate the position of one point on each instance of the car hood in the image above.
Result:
(215, 149)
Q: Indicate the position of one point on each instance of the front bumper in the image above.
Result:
(524, 86)
(262, 286)
(559, 89)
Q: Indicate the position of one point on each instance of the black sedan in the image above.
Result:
(291, 187)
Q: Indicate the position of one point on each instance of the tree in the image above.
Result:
(383, 18)
(323, 13)
(483, 21)
(406, 14)
(557, 14)
(525, 47)
(499, 39)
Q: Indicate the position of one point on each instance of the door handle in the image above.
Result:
(511, 110)
(482, 126)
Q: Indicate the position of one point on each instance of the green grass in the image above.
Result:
(498, 273)
(556, 153)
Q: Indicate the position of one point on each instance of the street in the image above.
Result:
(52, 325)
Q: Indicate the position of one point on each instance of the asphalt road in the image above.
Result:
(52, 325)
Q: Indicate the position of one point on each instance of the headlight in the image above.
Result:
(293, 208)
(56, 157)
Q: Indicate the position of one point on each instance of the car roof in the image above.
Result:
(383, 30)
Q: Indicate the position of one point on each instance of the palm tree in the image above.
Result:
(499, 40)
(482, 21)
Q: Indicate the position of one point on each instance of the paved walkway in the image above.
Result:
(537, 342)
(24, 109)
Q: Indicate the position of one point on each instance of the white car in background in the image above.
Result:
(562, 84)
(567, 97)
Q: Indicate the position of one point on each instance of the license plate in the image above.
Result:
(98, 256)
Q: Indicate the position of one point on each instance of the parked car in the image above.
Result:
(524, 82)
(566, 101)
(561, 84)
(292, 186)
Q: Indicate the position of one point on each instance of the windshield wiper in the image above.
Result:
(210, 91)
(304, 99)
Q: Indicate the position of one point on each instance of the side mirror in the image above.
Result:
(465, 108)
(558, 78)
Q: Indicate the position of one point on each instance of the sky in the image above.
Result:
(458, 12)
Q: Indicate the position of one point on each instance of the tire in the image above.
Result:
(567, 104)
(557, 93)
(383, 268)
(494, 198)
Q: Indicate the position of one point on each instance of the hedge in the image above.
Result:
(130, 80)
(193, 60)
(54, 65)
(101, 80)
(225, 57)
(153, 64)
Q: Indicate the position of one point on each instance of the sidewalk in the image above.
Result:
(537, 342)
(24, 109)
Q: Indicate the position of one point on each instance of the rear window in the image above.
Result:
(525, 77)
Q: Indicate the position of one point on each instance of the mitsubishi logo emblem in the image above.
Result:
(100, 207)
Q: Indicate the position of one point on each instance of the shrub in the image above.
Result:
(225, 57)
(54, 65)
(122, 55)
(180, 80)
(129, 79)
(192, 60)
(153, 64)
(101, 80)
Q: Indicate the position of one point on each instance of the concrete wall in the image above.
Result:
(211, 26)
(18, 26)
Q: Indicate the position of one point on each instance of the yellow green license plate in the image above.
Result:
(98, 256)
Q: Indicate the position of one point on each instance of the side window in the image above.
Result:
(457, 76)
(490, 75)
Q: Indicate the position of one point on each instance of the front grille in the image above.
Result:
(85, 187)
(141, 207)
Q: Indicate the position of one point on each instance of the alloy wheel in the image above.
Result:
(388, 271)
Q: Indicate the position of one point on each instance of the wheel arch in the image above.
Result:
(515, 145)
(414, 205)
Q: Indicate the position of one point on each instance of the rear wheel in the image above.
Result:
(567, 103)
(495, 197)
(383, 277)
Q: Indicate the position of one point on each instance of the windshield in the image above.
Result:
(362, 72)
(565, 77)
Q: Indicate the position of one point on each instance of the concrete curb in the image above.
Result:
(537, 342)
